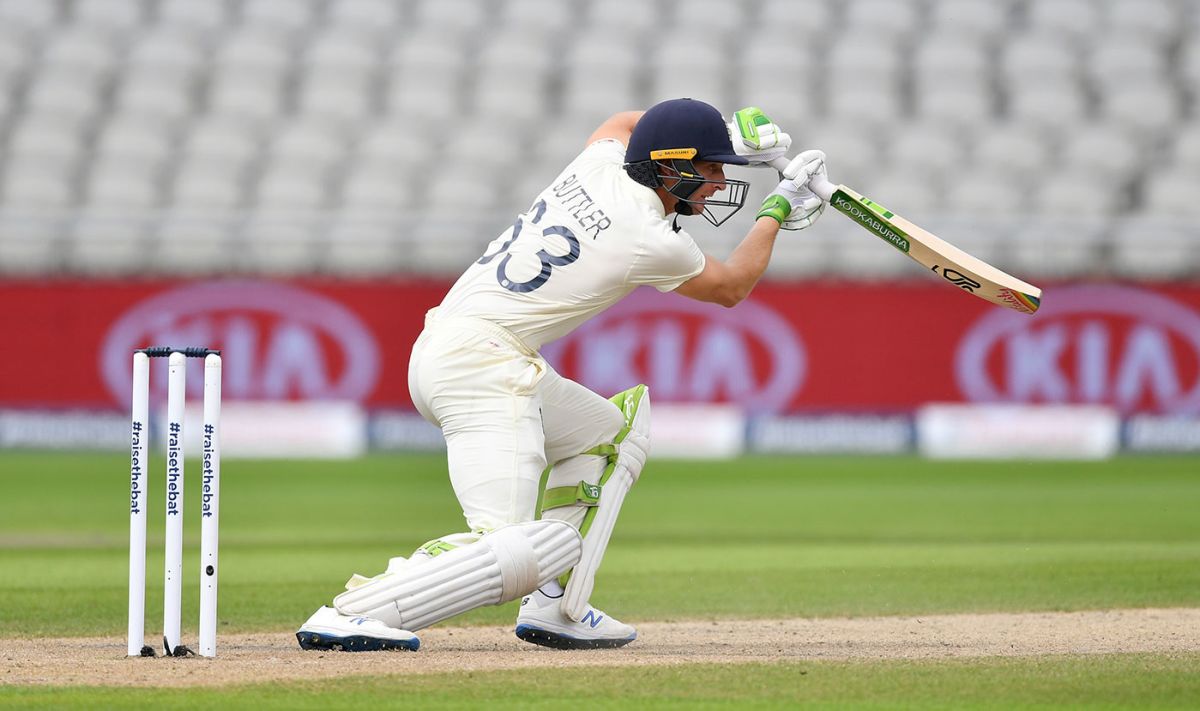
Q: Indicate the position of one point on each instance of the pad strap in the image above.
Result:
(591, 512)
(583, 494)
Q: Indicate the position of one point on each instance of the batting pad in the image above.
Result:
(600, 519)
(502, 565)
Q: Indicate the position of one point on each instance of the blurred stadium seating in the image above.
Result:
(1059, 137)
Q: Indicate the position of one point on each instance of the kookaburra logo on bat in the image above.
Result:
(957, 278)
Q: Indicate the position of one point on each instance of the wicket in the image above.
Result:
(210, 499)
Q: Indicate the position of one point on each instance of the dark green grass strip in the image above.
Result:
(1140, 681)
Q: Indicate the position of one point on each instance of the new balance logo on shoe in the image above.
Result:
(592, 618)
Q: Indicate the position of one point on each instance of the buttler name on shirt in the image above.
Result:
(579, 204)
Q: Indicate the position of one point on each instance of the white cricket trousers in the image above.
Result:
(505, 413)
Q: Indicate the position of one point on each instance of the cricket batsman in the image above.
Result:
(603, 228)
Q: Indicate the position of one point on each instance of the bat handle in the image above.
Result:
(819, 184)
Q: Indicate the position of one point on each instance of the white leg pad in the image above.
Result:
(583, 579)
(633, 446)
(502, 565)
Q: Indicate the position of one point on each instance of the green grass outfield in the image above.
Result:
(1131, 681)
(755, 537)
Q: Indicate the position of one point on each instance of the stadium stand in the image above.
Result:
(285, 136)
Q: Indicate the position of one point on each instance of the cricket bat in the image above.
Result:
(969, 273)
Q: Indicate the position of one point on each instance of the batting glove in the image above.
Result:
(756, 138)
(792, 204)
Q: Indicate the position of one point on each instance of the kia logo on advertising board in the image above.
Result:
(279, 342)
(1130, 348)
(687, 351)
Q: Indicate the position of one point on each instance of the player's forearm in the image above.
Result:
(749, 260)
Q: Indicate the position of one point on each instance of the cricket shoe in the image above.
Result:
(330, 629)
(541, 621)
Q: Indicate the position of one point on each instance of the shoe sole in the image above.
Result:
(554, 640)
(354, 643)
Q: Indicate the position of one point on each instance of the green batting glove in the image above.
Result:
(748, 120)
(756, 138)
(776, 207)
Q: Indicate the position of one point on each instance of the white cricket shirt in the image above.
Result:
(588, 240)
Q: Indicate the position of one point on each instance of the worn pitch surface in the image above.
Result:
(269, 657)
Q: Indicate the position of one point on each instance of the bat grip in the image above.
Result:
(819, 184)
